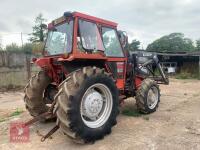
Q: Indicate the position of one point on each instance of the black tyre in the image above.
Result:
(34, 94)
(87, 105)
(148, 96)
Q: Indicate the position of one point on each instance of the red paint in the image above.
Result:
(138, 81)
(52, 71)
(120, 84)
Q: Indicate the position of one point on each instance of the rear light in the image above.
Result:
(120, 69)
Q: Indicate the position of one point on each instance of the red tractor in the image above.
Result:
(86, 72)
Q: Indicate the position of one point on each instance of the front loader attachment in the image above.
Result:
(147, 65)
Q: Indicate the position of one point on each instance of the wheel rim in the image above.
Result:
(152, 97)
(96, 105)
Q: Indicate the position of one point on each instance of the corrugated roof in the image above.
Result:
(180, 53)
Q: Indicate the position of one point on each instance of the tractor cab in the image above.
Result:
(79, 40)
(76, 33)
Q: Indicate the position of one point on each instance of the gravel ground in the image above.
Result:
(175, 125)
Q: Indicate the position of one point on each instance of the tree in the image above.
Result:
(198, 45)
(173, 42)
(134, 45)
(39, 29)
(13, 48)
(37, 48)
(27, 48)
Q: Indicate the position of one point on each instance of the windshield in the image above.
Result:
(59, 39)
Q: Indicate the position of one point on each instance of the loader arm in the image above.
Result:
(148, 65)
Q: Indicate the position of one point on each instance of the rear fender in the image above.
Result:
(49, 68)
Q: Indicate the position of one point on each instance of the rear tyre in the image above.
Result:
(148, 96)
(87, 105)
(34, 94)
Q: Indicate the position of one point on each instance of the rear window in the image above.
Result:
(90, 36)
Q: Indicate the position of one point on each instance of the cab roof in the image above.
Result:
(95, 19)
(83, 16)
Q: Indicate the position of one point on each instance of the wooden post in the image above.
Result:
(28, 67)
(22, 39)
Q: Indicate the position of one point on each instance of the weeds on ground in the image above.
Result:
(196, 95)
(17, 112)
(146, 118)
(133, 113)
(2, 119)
(186, 75)
(183, 76)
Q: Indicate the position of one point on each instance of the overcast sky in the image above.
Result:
(145, 20)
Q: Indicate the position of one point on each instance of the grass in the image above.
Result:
(17, 112)
(2, 119)
(146, 118)
(196, 95)
(133, 113)
(182, 76)
(186, 75)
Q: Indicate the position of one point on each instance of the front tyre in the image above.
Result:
(87, 105)
(148, 96)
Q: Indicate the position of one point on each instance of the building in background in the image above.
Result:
(178, 62)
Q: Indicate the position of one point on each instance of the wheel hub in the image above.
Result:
(152, 98)
(93, 104)
(96, 105)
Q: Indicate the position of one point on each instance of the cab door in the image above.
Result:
(116, 58)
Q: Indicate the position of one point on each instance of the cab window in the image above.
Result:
(59, 39)
(90, 36)
(111, 42)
